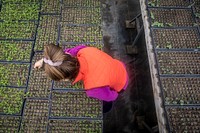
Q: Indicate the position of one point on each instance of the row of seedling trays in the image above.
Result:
(176, 42)
(30, 102)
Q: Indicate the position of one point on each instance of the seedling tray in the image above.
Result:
(67, 85)
(74, 104)
(18, 74)
(179, 38)
(197, 6)
(34, 102)
(78, 15)
(50, 7)
(86, 126)
(180, 90)
(39, 84)
(81, 3)
(47, 31)
(11, 100)
(35, 118)
(169, 3)
(19, 11)
(15, 50)
(80, 33)
(184, 119)
(169, 17)
(21, 30)
(9, 124)
(178, 62)
(173, 41)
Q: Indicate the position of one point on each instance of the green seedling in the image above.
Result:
(169, 45)
(197, 15)
(169, 24)
(158, 24)
(152, 16)
(191, 5)
(11, 100)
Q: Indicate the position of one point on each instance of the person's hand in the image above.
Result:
(38, 64)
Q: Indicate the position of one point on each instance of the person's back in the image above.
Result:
(100, 69)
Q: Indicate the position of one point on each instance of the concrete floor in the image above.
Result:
(137, 101)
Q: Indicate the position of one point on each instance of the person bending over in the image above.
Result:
(103, 77)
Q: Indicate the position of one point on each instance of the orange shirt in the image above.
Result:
(98, 69)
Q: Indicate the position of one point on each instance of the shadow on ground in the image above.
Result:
(134, 107)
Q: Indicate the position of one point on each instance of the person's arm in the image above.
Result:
(102, 93)
(73, 51)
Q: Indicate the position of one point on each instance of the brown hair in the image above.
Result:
(67, 70)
